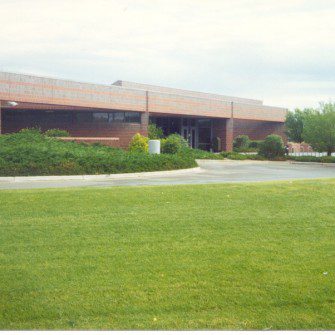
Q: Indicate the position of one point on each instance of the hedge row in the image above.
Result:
(29, 153)
(324, 159)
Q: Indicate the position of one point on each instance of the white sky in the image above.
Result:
(280, 51)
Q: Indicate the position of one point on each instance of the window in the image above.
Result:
(119, 117)
(204, 133)
(38, 117)
(100, 117)
(205, 123)
(185, 134)
(84, 117)
(10, 115)
(132, 117)
(110, 117)
(54, 116)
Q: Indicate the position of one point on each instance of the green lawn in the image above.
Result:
(233, 256)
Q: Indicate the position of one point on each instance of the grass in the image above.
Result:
(237, 256)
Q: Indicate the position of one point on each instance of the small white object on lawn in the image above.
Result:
(154, 147)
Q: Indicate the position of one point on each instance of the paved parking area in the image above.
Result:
(210, 172)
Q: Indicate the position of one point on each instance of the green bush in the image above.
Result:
(56, 133)
(324, 159)
(245, 150)
(28, 133)
(328, 159)
(198, 153)
(154, 132)
(272, 147)
(305, 158)
(225, 154)
(173, 144)
(138, 143)
(254, 144)
(238, 156)
(29, 153)
(241, 141)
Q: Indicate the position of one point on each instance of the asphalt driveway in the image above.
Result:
(210, 172)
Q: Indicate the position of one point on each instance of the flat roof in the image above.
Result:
(163, 89)
(130, 96)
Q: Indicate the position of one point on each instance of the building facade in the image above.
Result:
(113, 114)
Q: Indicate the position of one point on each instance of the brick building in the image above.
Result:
(112, 114)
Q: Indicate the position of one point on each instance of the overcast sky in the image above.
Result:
(280, 51)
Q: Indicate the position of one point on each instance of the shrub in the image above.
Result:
(224, 154)
(328, 159)
(173, 144)
(31, 134)
(305, 158)
(154, 132)
(30, 131)
(324, 159)
(56, 133)
(138, 143)
(198, 153)
(255, 144)
(241, 141)
(245, 150)
(30, 152)
(238, 156)
(272, 147)
(256, 157)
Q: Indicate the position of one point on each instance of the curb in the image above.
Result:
(313, 163)
(288, 161)
(100, 176)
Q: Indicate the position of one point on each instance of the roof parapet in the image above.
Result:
(189, 93)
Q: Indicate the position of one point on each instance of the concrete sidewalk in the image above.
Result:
(101, 177)
(209, 171)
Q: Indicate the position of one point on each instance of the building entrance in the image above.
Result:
(197, 132)
(189, 131)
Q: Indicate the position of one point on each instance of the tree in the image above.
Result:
(242, 142)
(154, 132)
(138, 143)
(319, 129)
(294, 124)
(272, 147)
(173, 143)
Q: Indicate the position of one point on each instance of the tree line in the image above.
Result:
(315, 126)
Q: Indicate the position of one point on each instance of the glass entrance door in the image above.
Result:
(189, 131)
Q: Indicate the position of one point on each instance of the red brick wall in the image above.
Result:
(258, 130)
(223, 128)
(219, 130)
(228, 129)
